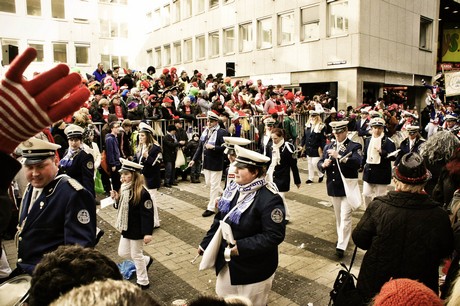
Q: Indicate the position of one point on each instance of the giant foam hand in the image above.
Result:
(26, 107)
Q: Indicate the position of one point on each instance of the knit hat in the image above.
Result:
(404, 291)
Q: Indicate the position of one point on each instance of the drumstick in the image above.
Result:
(194, 259)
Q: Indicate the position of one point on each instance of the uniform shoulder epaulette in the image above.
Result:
(75, 184)
(272, 187)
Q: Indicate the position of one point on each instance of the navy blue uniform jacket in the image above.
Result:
(379, 173)
(349, 169)
(213, 158)
(313, 141)
(257, 237)
(151, 170)
(64, 213)
(405, 148)
(82, 169)
(282, 175)
(140, 218)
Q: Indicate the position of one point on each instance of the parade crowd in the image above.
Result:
(124, 134)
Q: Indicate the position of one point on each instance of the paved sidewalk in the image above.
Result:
(307, 265)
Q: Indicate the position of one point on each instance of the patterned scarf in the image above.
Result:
(68, 158)
(123, 206)
(213, 135)
(246, 196)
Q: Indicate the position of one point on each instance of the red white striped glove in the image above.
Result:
(26, 107)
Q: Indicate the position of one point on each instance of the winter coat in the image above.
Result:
(406, 235)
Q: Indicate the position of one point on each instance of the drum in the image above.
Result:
(15, 291)
(398, 137)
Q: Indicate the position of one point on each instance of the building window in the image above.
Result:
(115, 60)
(200, 47)
(156, 19)
(187, 8)
(229, 41)
(167, 55)
(166, 15)
(111, 61)
(60, 52)
(105, 60)
(177, 52)
(200, 6)
(157, 57)
(34, 8)
(426, 33)
(213, 3)
(264, 33)
(105, 28)
(8, 6)
(82, 54)
(57, 9)
(123, 30)
(286, 28)
(310, 23)
(213, 41)
(188, 50)
(150, 59)
(124, 62)
(245, 37)
(176, 11)
(338, 17)
(112, 29)
(40, 52)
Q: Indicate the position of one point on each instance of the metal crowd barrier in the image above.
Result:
(251, 130)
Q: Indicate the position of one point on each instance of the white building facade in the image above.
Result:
(346, 47)
(351, 48)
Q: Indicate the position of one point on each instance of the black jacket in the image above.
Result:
(406, 235)
(260, 230)
(140, 218)
(379, 173)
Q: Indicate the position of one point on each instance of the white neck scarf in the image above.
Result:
(373, 155)
(126, 194)
(276, 158)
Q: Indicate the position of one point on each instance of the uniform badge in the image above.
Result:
(90, 165)
(277, 215)
(148, 204)
(27, 144)
(83, 216)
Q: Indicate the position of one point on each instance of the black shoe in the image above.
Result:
(207, 213)
(320, 180)
(99, 235)
(174, 184)
(309, 182)
(149, 263)
(339, 253)
(167, 185)
(143, 287)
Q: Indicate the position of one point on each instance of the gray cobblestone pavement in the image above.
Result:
(307, 265)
